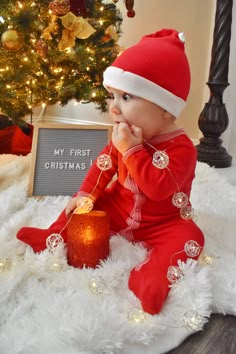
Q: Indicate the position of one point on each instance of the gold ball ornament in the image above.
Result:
(12, 40)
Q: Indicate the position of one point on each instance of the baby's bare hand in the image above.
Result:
(124, 137)
(71, 205)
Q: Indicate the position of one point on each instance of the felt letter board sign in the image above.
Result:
(62, 155)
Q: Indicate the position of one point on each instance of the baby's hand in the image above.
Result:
(124, 137)
(79, 205)
(71, 205)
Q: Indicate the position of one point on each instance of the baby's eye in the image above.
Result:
(126, 96)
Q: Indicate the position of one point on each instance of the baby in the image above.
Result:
(154, 161)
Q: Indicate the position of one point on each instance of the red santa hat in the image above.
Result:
(156, 69)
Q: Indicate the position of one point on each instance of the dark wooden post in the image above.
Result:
(213, 120)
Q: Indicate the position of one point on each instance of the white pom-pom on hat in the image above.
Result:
(181, 37)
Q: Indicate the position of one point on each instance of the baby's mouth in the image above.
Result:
(118, 122)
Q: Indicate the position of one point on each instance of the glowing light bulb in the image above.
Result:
(137, 315)
(57, 70)
(193, 320)
(207, 258)
(55, 264)
(5, 264)
(97, 285)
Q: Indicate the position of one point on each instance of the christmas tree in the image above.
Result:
(55, 51)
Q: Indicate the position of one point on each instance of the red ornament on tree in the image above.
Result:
(78, 7)
(129, 5)
(59, 7)
(41, 48)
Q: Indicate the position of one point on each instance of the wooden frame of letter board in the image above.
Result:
(36, 149)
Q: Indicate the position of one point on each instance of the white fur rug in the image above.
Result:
(47, 306)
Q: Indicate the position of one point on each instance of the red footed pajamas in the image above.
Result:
(149, 203)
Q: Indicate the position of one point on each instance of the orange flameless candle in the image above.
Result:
(88, 239)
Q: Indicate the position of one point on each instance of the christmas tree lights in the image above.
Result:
(55, 51)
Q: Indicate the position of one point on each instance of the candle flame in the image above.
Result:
(88, 234)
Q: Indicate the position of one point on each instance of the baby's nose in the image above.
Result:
(114, 108)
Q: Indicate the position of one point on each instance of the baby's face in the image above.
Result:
(136, 111)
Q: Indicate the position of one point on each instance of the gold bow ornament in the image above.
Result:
(51, 28)
(75, 27)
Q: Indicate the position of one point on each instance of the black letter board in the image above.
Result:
(61, 156)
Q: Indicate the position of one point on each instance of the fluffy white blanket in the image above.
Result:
(47, 306)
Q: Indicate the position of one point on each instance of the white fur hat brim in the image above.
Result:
(137, 85)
